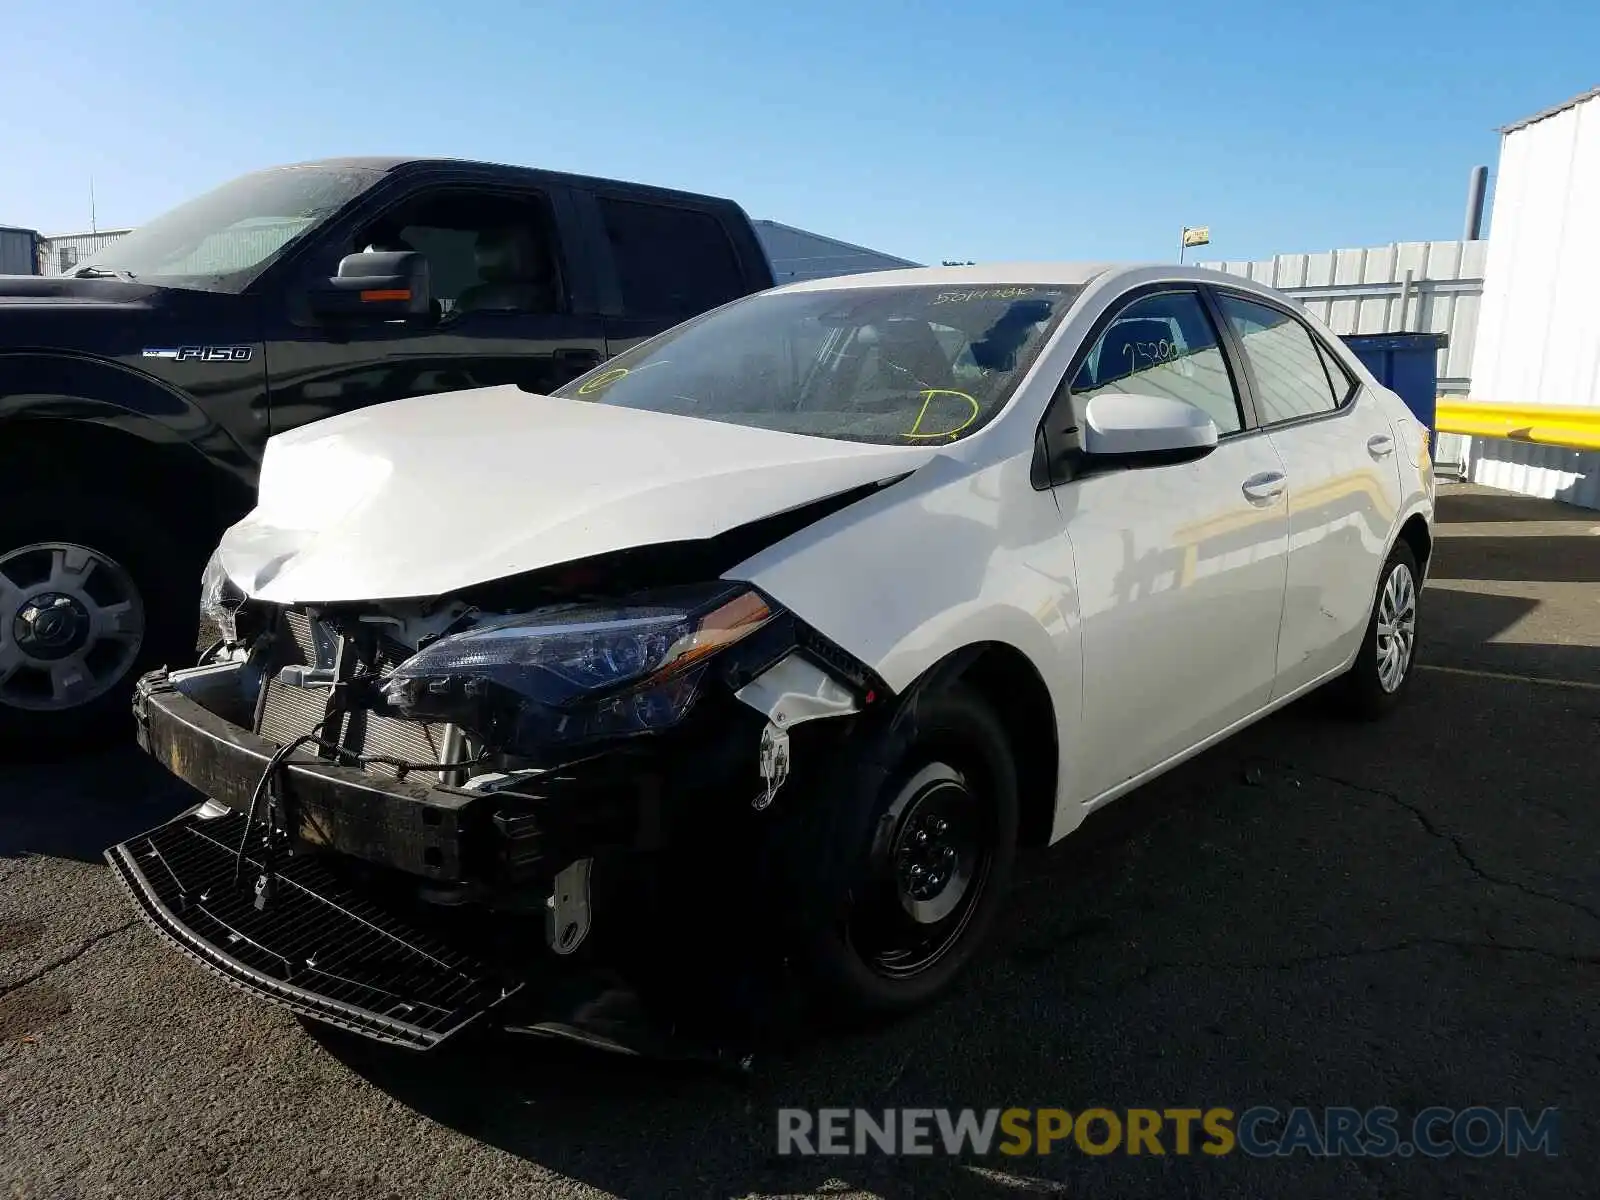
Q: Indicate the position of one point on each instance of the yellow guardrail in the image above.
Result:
(1574, 428)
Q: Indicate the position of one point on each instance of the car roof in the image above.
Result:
(1023, 274)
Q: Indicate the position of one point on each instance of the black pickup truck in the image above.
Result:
(138, 391)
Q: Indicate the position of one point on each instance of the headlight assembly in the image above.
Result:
(575, 673)
(221, 599)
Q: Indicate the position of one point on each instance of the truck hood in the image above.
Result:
(60, 292)
(429, 495)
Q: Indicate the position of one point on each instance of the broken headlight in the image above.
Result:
(577, 672)
(220, 599)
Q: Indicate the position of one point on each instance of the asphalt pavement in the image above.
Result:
(1316, 913)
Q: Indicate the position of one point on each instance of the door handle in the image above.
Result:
(1263, 488)
(1380, 446)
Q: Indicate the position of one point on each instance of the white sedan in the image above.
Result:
(785, 628)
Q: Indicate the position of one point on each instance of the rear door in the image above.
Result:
(669, 262)
(514, 303)
(1338, 453)
(1180, 566)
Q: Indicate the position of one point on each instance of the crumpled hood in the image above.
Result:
(428, 495)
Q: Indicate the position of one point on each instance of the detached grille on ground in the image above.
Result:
(318, 948)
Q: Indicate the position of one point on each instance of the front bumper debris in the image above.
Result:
(318, 949)
(344, 939)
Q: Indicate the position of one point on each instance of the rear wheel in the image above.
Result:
(1378, 679)
(928, 871)
(93, 591)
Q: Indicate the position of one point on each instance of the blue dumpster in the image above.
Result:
(1406, 363)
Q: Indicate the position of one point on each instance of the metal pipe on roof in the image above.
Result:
(1477, 184)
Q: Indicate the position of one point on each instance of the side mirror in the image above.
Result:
(378, 285)
(1141, 430)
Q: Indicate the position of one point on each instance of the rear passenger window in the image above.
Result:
(1162, 345)
(671, 262)
(1338, 373)
(1291, 380)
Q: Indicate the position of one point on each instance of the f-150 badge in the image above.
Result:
(202, 353)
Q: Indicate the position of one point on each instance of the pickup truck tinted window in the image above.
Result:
(220, 241)
(486, 252)
(671, 262)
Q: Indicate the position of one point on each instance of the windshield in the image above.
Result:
(220, 241)
(892, 365)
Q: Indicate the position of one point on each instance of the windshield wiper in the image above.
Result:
(92, 272)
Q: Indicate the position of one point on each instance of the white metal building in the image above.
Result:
(1539, 330)
(797, 254)
(61, 252)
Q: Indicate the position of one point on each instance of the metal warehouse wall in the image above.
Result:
(61, 253)
(796, 254)
(1539, 333)
(1406, 287)
(16, 251)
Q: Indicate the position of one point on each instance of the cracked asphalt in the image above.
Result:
(1402, 914)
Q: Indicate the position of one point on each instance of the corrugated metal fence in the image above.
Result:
(1405, 287)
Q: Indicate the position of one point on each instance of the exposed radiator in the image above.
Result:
(290, 712)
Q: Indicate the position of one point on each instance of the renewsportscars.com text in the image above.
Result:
(1260, 1131)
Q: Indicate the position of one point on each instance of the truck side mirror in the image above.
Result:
(376, 285)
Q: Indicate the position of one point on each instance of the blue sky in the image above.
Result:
(931, 130)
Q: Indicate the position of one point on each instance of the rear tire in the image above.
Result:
(94, 591)
(926, 871)
(1381, 675)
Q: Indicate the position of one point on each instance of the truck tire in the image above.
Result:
(926, 871)
(94, 591)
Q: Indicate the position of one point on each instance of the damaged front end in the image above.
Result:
(518, 803)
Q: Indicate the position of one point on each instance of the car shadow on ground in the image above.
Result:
(1292, 918)
(75, 806)
(1469, 503)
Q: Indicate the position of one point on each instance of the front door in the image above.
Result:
(1338, 453)
(502, 311)
(1180, 567)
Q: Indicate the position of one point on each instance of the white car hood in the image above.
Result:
(431, 494)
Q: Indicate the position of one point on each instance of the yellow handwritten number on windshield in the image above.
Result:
(606, 379)
(928, 395)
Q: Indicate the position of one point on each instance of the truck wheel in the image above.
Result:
(928, 870)
(93, 592)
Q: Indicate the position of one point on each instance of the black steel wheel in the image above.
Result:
(928, 869)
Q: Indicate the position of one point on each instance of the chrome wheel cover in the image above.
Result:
(1396, 632)
(71, 625)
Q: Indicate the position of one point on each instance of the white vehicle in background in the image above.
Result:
(796, 620)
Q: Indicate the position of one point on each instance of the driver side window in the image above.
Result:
(1162, 345)
(486, 252)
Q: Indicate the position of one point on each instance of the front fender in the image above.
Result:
(75, 387)
(952, 556)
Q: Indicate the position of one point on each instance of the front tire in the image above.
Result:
(926, 872)
(93, 592)
(1381, 674)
